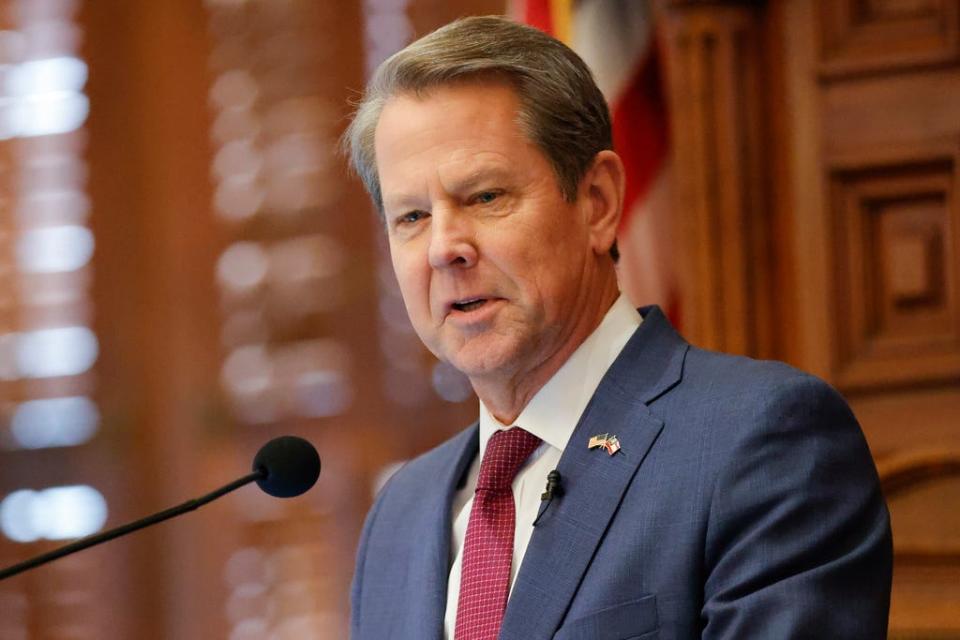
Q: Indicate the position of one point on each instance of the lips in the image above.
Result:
(468, 304)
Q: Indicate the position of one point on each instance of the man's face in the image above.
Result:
(493, 264)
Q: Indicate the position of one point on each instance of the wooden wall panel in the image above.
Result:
(863, 36)
(884, 112)
(896, 258)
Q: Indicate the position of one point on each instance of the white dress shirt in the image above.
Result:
(551, 415)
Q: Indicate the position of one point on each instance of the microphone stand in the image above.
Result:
(90, 541)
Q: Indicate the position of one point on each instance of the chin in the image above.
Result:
(477, 360)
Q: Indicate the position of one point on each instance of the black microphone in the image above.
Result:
(554, 490)
(288, 466)
(553, 486)
(284, 467)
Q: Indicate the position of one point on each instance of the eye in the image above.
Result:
(410, 217)
(486, 197)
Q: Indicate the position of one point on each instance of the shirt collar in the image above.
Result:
(553, 412)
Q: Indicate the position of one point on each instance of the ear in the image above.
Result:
(602, 190)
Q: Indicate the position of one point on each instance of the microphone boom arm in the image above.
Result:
(130, 527)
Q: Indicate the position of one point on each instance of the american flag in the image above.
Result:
(609, 442)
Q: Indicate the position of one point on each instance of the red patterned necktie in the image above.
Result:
(488, 547)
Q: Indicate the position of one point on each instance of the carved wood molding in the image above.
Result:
(896, 259)
(922, 557)
(868, 36)
(901, 473)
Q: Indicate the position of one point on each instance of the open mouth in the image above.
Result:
(469, 305)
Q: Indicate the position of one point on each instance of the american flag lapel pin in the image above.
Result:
(607, 441)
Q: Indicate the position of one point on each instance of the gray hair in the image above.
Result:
(561, 109)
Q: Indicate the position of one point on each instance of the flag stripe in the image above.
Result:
(612, 37)
(641, 130)
(537, 13)
(560, 16)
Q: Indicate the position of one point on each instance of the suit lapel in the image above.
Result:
(426, 601)
(568, 533)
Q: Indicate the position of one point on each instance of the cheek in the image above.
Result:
(414, 280)
(554, 266)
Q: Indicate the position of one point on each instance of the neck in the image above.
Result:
(505, 396)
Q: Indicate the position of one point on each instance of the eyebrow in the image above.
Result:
(402, 202)
(480, 176)
(407, 201)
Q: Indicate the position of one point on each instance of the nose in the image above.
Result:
(452, 241)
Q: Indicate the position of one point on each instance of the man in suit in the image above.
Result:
(697, 495)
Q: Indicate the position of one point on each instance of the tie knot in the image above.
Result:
(506, 452)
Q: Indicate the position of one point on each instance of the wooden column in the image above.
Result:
(722, 222)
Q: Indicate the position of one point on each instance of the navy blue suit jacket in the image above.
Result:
(743, 504)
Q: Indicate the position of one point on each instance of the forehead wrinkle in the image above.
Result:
(405, 195)
(471, 169)
(416, 178)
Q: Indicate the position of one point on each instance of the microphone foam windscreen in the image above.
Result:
(291, 465)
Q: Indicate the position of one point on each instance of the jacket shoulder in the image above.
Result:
(727, 372)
